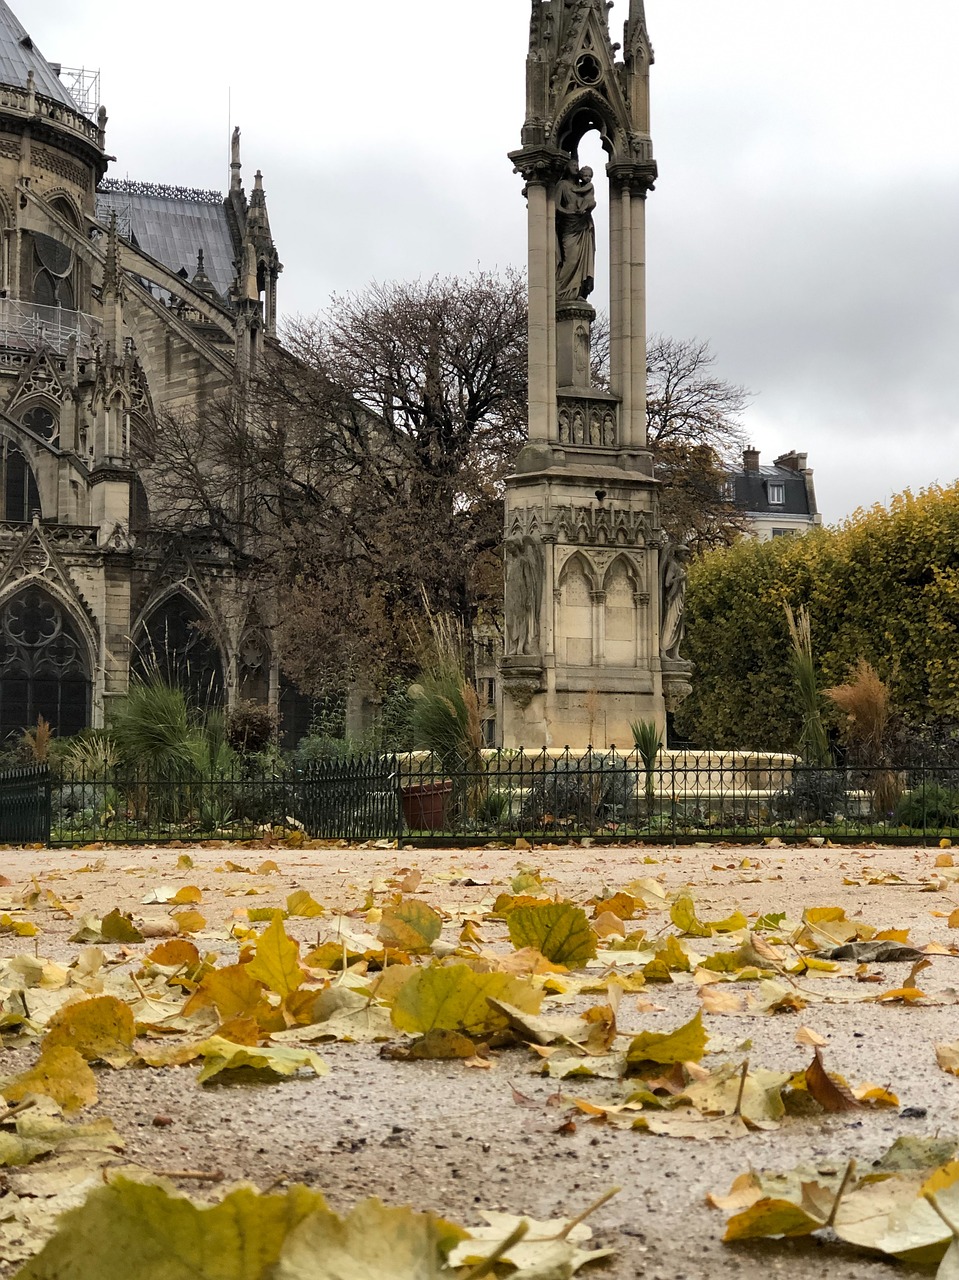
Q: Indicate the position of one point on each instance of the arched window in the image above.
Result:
(175, 645)
(41, 421)
(52, 272)
(19, 495)
(43, 666)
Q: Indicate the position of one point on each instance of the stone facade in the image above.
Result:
(103, 331)
(591, 588)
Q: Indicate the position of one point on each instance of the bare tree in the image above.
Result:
(694, 431)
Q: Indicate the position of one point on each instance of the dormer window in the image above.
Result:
(777, 494)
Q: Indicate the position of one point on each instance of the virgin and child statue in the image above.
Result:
(575, 236)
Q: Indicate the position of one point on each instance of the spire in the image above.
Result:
(111, 267)
(636, 38)
(202, 282)
(19, 56)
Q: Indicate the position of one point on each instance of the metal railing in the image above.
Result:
(495, 796)
(27, 325)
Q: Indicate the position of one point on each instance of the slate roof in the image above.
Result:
(19, 55)
(752, 491)
(172, 225)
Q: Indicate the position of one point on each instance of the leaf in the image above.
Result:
(410, 926)
(548, 1249)
(686, 1044)
(234, 993)
(683, 915)
(101, 1029)
(277, 960)
(189, 921)
(187, 895)
(806, 1036)
(224, 1055)
(15, 1150)
(541, 1030)
(731, 924)
(132, 1229)
(20, 928)
(302, 903)
(435, 1046)
(60, 1073)
(454, 998)
(771, 1217)
(114, 927)
(830, 1093)
(688, 1123)
(947, 1055)
(175, 954)
(558, 929)
(371, 1243)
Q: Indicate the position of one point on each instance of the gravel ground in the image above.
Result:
(450, 1139)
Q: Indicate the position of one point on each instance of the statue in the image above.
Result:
(673, 580)
(575, 236)
(524, 594)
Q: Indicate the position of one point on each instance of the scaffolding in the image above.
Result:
(83, 86)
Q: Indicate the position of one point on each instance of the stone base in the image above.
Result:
(535, 716)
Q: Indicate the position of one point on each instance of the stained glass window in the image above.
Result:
(43, 668)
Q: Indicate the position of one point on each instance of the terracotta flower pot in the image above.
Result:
(425, 805)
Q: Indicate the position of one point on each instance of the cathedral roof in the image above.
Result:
(19, 55)
(173, 225)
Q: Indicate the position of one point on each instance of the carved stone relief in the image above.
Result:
(588, 422)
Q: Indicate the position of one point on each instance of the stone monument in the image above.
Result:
(594, 595)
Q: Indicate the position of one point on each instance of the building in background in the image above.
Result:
(120, 303)
(779, 501)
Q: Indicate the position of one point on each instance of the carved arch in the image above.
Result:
(46, 661)
(177, 636)
(633, 569)
(585, 110)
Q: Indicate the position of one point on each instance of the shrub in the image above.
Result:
(250, 728)
(814, 795)
(596, 787)
(930, 806)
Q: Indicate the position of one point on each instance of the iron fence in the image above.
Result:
(25, 806)
(495, 796)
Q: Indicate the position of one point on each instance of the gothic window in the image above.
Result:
(41, 421)
(43, 670)
(19, 495)
(175, 645)
(52, 272)
(253, 661)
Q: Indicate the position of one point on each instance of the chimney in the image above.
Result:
(793, 461)
(751, 459)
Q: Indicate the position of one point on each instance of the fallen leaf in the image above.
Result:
(558, 929)
(685, 1044)
(60, 1073)
(411, 926)
(455, 998)
(302, 903)
(223, 1055)
(830, 1093)
(128, 1229)
(277, 961)
(101, 1029)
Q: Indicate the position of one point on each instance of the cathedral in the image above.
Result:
(120, 303)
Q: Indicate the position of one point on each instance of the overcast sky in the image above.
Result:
(806, 221)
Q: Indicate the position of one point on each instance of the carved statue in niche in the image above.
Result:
(575, 236)
(673, 584)
(524, 594)
(581, 355)
(579, 427)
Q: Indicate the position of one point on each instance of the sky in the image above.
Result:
(805, 224)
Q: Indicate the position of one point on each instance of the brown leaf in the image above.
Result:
(831, 1094)
(806, 1036)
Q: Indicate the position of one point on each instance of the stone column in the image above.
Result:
(542, 273)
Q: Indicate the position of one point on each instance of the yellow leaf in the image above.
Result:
(685, 1044)
(233, 992)
(771, 1217)
(558, 929)
(60, 1073)
(184, 862)
(683, 915)
(101, 1029)
(410, 926)
(189, 921)
(188, 894)
(176, 953)
(730, 925)
(806, 1036)
(134, 1229)
(624, 905)
(456, 998)
(370, 1243)
(257, 915)
(20, 928)
(223, 1055)
(947, 1055)
(277, 963)
(875, 1095)
(302, 903)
